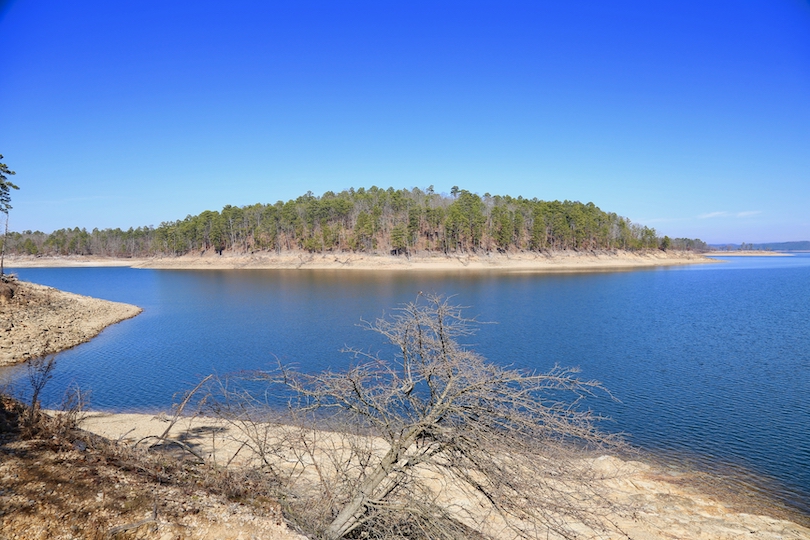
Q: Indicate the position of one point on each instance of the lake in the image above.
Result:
(709, 363)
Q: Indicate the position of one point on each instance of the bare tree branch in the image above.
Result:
(414, 436)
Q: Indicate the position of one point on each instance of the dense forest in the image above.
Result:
(367, 220)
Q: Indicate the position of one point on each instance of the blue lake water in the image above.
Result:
(710, 362)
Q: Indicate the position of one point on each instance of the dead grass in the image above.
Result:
(64, 483)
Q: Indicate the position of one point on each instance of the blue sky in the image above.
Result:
(692, 117)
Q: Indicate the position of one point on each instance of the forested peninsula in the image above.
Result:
(374, 220)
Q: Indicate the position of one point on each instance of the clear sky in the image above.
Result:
(690, 116)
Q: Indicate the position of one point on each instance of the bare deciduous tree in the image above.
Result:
(438, 442)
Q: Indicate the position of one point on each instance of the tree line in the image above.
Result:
(373, 220)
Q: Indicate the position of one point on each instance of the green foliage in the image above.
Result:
(465, 222)
(5, 205)
(364, 232)
(5, 187)
(689, 244)
(399, 239)
(503, 227)
(367, 220)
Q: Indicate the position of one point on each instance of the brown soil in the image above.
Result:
(7, 291)
(36, 320)
(58, 483)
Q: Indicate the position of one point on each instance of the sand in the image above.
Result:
(76, 261)
(36, 320)
(561, 261)
(667, 503)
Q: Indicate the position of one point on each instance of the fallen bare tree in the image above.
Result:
(435, 442)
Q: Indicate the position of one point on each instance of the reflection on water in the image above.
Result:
(710, 361)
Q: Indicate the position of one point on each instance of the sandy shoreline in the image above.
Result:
(563, 261)
(668, 503)
(36, 320)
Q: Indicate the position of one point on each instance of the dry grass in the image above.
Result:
(59, 482)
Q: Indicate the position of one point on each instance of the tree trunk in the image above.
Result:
(3, 249)
(350, 516)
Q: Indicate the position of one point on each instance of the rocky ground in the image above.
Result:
(658, 501)
(36, 320)
(559, 261)
(57, 482)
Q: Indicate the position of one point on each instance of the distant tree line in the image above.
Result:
(803, 245)
(370, 220)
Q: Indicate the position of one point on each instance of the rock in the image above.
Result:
(38, 320)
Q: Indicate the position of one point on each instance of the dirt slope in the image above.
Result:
(36, 320)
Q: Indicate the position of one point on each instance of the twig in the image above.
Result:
(129, 526)
(182, 406)
(166, 440)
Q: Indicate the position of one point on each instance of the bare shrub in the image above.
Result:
(434, 442)
(72, 411)
(40, 371)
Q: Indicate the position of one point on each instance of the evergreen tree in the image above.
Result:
(5, 205)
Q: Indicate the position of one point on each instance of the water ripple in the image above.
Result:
(712, 363)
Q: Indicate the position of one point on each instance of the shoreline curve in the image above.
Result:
(36, 320)
(560, 261)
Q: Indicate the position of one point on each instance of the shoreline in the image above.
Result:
(36, 320)
(670, 502)
(562, 261)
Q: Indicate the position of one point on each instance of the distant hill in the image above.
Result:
(373, 220)
(803, 245)
(786, 246)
